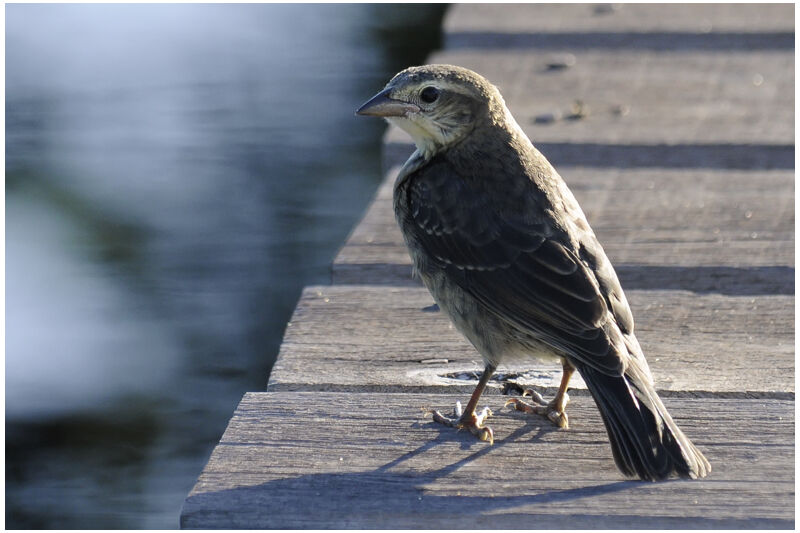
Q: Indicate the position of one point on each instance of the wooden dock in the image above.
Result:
(674, 127)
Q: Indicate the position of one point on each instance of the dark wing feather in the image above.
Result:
(514, 264)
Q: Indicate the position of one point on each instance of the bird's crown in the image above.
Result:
(446, 76)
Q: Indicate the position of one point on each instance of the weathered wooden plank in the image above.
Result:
(642, 98)
(658, 218)
(725, 156)
(346, 460)
(567, 18)
(646, 205)
(364, 338)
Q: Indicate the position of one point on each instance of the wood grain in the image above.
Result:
(588, 18)
(379, 338)
(347, 460)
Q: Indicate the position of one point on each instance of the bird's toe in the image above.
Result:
(559, 418)
(473, 422)
(548, 410)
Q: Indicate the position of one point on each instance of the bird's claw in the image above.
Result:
(550, 410)
(535, 396)
(474, 422)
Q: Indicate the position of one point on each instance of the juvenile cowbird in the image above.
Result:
(506, 251)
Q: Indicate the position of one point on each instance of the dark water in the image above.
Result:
(174, 175)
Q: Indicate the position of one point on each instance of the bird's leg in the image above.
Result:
(555, 411)
(468, 418)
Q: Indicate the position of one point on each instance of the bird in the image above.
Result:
(507, 253)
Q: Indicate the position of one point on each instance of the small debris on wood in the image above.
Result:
(620, 110)
(561, 62)
(439, 361)
(547, 118)
(605, 9)
(578, 111)
(464, 376)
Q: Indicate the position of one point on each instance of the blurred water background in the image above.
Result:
(175, 174)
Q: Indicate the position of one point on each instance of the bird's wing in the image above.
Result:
(512, 261)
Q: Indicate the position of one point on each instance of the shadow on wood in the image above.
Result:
(284, 450)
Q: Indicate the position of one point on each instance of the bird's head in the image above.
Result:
(438, 105)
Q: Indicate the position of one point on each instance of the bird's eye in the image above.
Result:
(429, 94)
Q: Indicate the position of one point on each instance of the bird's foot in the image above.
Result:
(555, 411)
(471, 421)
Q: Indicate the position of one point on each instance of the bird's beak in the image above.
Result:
(382, 106)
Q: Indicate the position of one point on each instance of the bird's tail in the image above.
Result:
(645, 440)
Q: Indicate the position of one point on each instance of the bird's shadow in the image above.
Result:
(396, 494)
(423, 487)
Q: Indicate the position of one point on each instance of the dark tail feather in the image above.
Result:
(644, 439)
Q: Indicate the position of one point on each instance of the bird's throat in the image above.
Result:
(427, 143)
